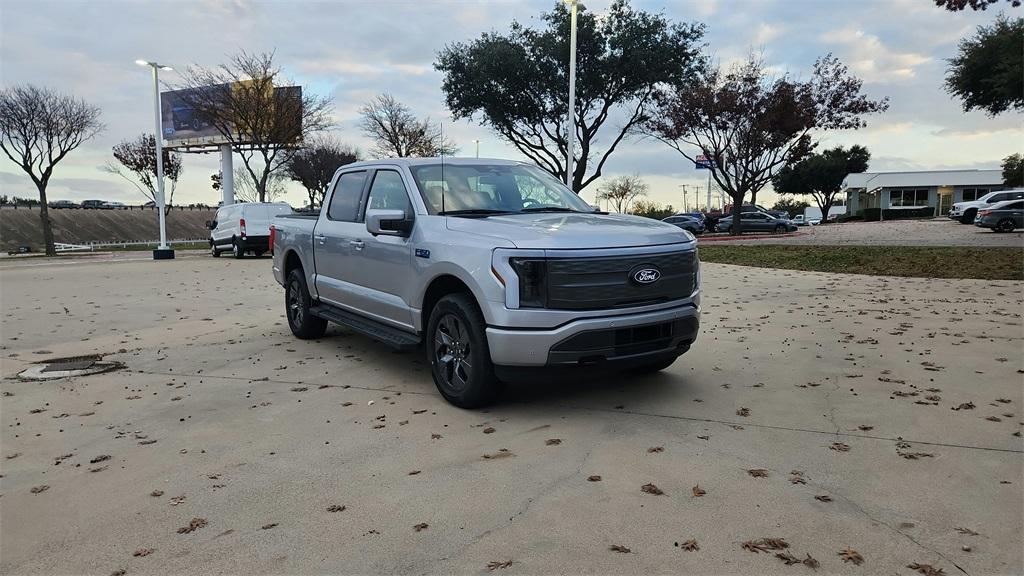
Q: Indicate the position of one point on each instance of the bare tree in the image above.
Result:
(247, 189)
(621, 191)
(397, 133)
(314, 166)
(750, 125)
(38, 128)
(138, 157)
(250, 104)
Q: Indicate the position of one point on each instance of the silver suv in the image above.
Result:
(494, 266)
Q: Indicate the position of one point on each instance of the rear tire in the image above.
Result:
(968, 217)
(236, 250)
(460, 360)
(780, 229)
(297, 303)
(1005, 225)
(653, 366)
(213, 251)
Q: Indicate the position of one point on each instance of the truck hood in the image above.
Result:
(571, 230)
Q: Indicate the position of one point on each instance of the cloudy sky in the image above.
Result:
(353, 50)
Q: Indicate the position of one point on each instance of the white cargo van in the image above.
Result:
(245, 227)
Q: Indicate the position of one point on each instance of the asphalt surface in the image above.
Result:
(818, 409)
(935, 232)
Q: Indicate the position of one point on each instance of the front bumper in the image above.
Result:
(589, 341)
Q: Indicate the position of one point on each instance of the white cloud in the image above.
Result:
(870, 58)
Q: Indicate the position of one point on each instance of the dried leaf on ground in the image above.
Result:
(100, 458)
(553, 441)
(966, 531)
(788, 558)
(156, 493)
(651, 489)
(698, 491)
(965, 406)
(414, 472)
(435, 436)
(421, 526)
(690, 545)
(811, 563)
(851, 555)
(39, 489)
(765, 544)
(797, 477)
(743, 412)
(926, 569)
(193, 525)
(839, 447)
(823, 498)
(488, 430)
(594, 478)
(143, 552)
(502, 453)
(619, 548)
(498, 564)
(268, 526)
(655, 449)
(336, 508)
(758, 472)
(865, 427)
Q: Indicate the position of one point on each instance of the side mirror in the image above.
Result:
(388, 223)
(211, 224)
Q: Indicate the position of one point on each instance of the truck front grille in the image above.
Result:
(607, 282)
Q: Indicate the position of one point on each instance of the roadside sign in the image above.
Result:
(702, 162)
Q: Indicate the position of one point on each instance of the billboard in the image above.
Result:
(183, 126)
(702, 162)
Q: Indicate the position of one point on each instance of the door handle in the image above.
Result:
(357, 244)
(320, 238)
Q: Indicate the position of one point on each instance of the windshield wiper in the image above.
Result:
(481, 212)
(549, 209)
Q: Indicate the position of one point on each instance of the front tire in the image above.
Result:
(780, 229)
(213, 250)
(968, 217)
(297, 303)
(460, 360)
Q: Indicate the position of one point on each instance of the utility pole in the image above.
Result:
(683, 186)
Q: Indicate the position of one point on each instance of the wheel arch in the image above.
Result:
(439, 287)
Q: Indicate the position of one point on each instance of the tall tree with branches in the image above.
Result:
(751, 125)
(254, 108)
(247, 189)
(621, 191)
(821, 175)
(988, 71)
(40, 127)
(516, 83)
(314, 166)
(138, 158)
(397, 133)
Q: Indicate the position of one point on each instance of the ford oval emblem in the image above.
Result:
(647, 275)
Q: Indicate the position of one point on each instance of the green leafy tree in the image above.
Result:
(651, 209)
(958, 5)
(517, 83)
(1013, 171)
(791, 206)
(988, 71)
(752, 125)
(821, 175)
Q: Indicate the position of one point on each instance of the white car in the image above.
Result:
(800, 220)
(114, 206)
(966, 211)
(245, 227)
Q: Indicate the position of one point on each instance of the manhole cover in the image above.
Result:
(69, 367)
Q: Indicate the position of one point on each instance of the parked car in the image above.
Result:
(686, 222)
(800, 220)
(497, 267)
(62, 204)
(966, 211)
(758, 222)
(1003, 216)
(757, 208)
(244, 227)
(114, 206)
(93, 204)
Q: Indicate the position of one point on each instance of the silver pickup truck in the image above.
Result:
(494, 266)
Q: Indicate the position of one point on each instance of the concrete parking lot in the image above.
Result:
(936, 232)
(853, 417)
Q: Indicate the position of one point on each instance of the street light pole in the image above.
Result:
(571, 119)
(163, 252)
(477, 142)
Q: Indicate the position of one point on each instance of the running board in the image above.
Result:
(393, 337)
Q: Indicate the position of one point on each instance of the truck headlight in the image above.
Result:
(533, 286)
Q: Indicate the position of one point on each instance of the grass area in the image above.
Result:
(986, 263)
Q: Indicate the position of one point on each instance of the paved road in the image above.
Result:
(938, 232)
(259, 436)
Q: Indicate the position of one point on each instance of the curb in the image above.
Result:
(751, 236)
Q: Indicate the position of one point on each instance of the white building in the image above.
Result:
(937, 189)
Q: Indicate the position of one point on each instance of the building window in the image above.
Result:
(972, 194)
(908, 197)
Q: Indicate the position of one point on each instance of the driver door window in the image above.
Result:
(388, 193)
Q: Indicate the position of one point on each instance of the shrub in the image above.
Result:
(873, 214)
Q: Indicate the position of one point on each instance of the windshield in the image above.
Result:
(506, 188)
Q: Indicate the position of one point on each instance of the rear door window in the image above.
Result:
(348, 191)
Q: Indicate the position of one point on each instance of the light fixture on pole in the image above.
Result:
(162, 252)
(571, 114)
(477, 142)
